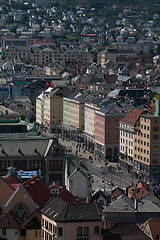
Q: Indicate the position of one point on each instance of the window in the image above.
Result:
(23, 232)
(147, 144)
(60, 231)
(155, 136)
(36, 234)
(96, 230)
(141, 126)
(155, 128)
(46, 224)
(3, 231)
(155, 144)
(147, 135)
(144, 143)
(148, 128)
(155, 153)
(157, 237)
(86, 231)
(79, 231)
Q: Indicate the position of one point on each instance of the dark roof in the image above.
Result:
(125, 204)
(60, 211)
(60, 91)
(37, 190)
(129, 231)
(67, 196)
(117, 192)
(34, 220)
(25, 146)
(116, 108)
(97, 194)
(79, 164)
(73, 95)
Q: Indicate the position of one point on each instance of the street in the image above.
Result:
(102, 176)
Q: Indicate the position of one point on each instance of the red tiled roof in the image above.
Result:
(67, 197)
(138, 192)
(151, 108)
(154, 225)
(11, 179)
(37, 190)
(15, 186)
(117, 192)
(132, 117)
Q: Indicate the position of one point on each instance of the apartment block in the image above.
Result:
(147, 146)
(63, 221)
(126, 141)
(49, 107)
(44, 55)
(107, 128)
(74, 113)
(147, 149)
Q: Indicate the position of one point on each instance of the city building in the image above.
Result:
(146, 148)
(74, 114)
(107, 128)
(33, 153)
(126, 138)
(78, 177)
(151, 228)
(70, 221)
(49, 107)
(89, 123)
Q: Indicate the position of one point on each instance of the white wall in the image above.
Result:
(79, 185)
(10, 234)
(89, 120)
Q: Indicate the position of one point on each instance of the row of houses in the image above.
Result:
(111, 129)
(85, 117)
(40, 55)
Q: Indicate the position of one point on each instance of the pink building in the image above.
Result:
(107, 128)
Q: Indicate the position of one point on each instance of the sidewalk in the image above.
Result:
(72, 148)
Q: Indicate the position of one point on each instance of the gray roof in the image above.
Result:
(79, 164)
(60, 211)
(60, 91)
(125, 204)
(25, 146)
(116, 108)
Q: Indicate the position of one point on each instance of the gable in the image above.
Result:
(77, 175)
(20, 199)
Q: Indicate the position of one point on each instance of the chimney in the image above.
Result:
(157, 109)
(135, 204)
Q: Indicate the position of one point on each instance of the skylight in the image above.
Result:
(51, 212)
(47, 210)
